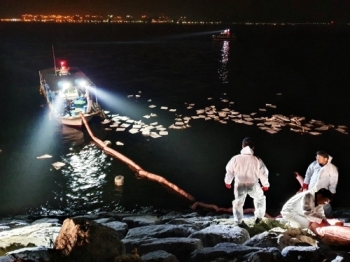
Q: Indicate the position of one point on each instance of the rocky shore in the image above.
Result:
(167, 236)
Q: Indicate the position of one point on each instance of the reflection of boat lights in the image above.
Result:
(223, 70)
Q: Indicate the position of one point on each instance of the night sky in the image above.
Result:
(233, 10)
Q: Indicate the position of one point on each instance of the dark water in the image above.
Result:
(173, 66)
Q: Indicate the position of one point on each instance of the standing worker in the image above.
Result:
(247, 169)
(321, 173)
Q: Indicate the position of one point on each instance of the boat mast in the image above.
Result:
(54, 60)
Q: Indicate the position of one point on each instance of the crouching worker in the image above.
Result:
(306, 208)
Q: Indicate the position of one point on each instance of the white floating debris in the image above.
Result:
(341, 130)
(248, 123)
(224, 100)
(200, 111)
(172, 110)
(137, 96)
(189, 107)
(124, 125)
(108, 129)
(234, 112)
(342, 126)
(149, 100)
(119, 180)
(164, 107)
(210, 98)
(118, 143)
(120, 129)
(207, 118)
(130, 121)
(231, 103)
(146, 133)
(130, 96)
(152, 106)
(147, 116)
(154, 135)
(195, 117)
(106, 112)
(179, 123)
(133, 131)
(262, 109)
(271, 131)
(106, 121)
(279, 94)
(44, 156)
(58, 165)
(114, 125)
(315, 133)
(107, 142)
(163, 133)
(223, 122)
(136, 126)
(322, 128)
(222, 114)
(154, 123)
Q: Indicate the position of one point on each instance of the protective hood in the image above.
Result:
(247, 151)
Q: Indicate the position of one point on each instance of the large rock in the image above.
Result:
(35, 235)
(140, 221)
(216, 234)
(222, 250)
(159, 256)
(85, 240)
(159, 231)
(181, 247)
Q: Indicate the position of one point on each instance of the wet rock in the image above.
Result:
(216, 234)
(139, 221)
(159, 256)
(85, 240)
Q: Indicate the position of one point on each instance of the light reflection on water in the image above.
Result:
(82, 184)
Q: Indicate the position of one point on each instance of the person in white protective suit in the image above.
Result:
(307, 207)
(321, 174)
(247, 169)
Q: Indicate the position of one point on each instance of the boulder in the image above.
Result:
(216, 234)
(140, 221)
(85, 240)
(181, 247)
(159, 256)
(159, 231)
(38, 234)
(222, 250)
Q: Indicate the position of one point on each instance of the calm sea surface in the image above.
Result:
(303, 72)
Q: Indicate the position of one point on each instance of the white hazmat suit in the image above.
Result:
(247, 169)
(300, 210)
(318, 176)
(322, 176)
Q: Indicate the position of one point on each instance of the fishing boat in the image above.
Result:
(69, 92)
(224, 36)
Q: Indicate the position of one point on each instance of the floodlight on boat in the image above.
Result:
(64, 84)
(81, 82)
